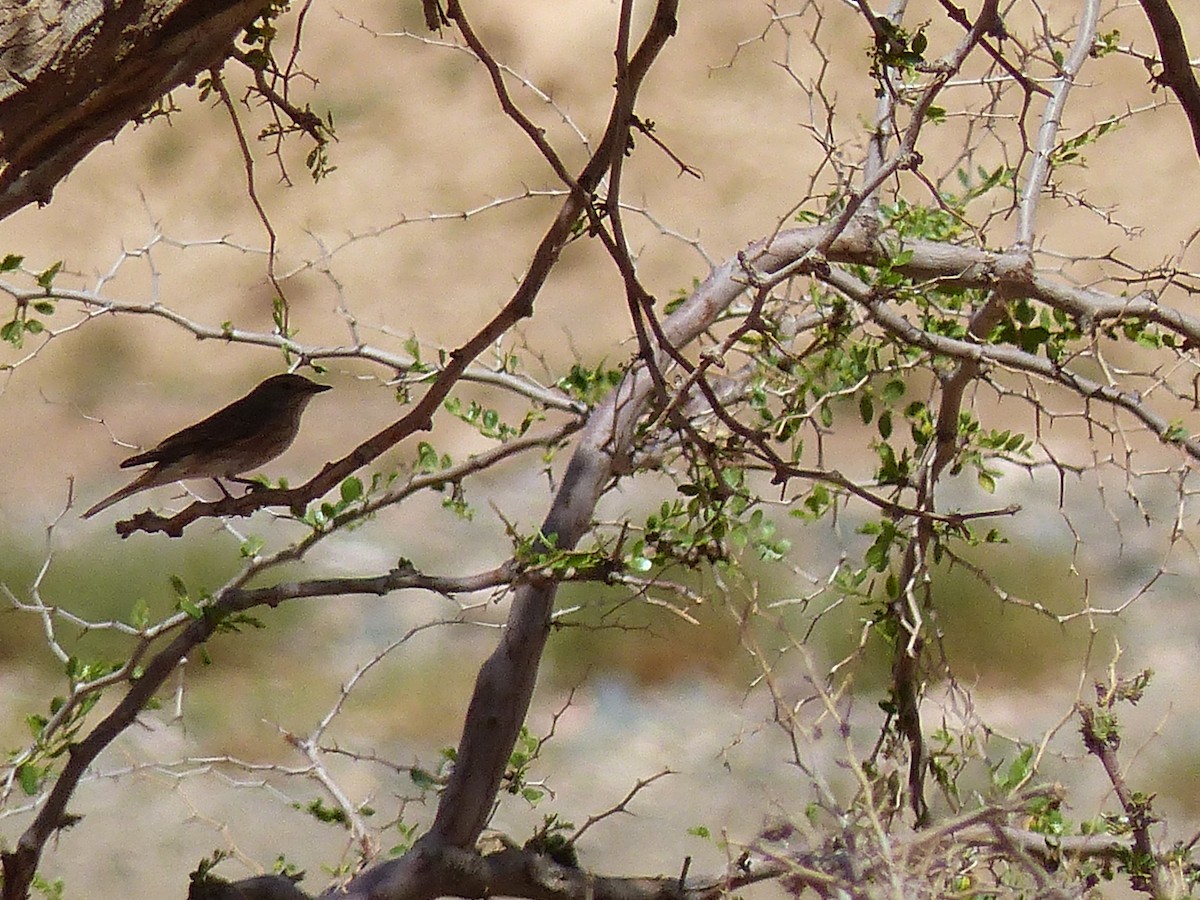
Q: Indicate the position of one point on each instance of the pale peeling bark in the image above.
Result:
(74, 72)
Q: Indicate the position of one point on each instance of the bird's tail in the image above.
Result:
(146, 480)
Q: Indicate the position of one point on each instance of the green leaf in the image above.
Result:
(30, 777)
(885, 424)
(422, 779)
(1029, 339)
(1175, 433)
(279, 315)
(251, 547)
(639, 564)
(139, 616)
(330, 815)
(13, 332)
(1018, 770)
(893, 391)
(877, 554)
(11, 262)
(352, 489)
(739, 536)
(427, 457)
(45, 280)
(866, 408)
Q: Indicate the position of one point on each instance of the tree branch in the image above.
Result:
(425, 873)
(79, 72)
(519, 306)
(1177, 68)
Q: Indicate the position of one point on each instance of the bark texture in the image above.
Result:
(74, 72)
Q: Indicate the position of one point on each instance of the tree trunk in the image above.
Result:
(76, 71)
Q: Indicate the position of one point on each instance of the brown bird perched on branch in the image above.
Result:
(246, 434)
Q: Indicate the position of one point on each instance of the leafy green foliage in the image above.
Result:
(279, 315)
(22, 322)
(717, 518)
(896, 48)
(45, 279)
(258, 39)
(551, 840)
(408, 837)
(1036, 329)
(328, 815)
(200, 607)
(538, 552)
(589, 386)
(429, 461)
(251, 547)
(1106, 43)
(520, 761)
(54, 733)
(282, 866)
(1069, 151)
(51, 890)
(353, 500)
(488, 422)
(205, 866)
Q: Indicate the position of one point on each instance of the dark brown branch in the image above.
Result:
(506, 680)
(646, 128)
(20, 864)
(1177, 71)
(218, 83)
(425, 874)
(398, 579)
(1102, 742)
(1028, 86)
(76, 80)
(304, 119)
(458, 16)
(526, 874)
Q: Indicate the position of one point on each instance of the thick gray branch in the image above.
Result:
(75, 72)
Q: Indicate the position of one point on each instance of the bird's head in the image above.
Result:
(281, 388)
(280, 396)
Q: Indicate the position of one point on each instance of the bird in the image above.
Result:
(246, 434)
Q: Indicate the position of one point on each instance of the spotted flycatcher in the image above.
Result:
(246, 434)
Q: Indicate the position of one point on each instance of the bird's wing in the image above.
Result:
(228, 425)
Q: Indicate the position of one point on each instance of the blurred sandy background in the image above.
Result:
(420, 141)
